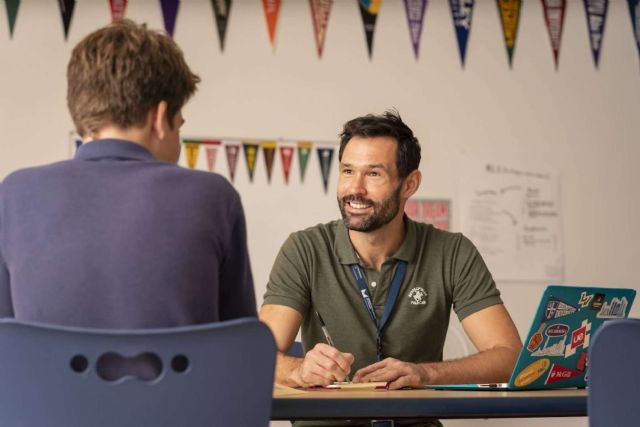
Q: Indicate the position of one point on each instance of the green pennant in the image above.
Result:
(12, 13)
(304, 151)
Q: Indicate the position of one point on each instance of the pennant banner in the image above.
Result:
(250, 155)
(232, 158)
(212, 153)
(509, 17)
(554, 18)
(191, 151)
(325, 155)
(66, 10)
(369, 10)
(596, 17)
(304, 151)
(415, 16)
(320, 10)
(271, 12)
(169, 14)
(221, 9)
(12, 13)
(461, 13)
(286, 157)
(118, 9)
(269, 150)
(634, 10)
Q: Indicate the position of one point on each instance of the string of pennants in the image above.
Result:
(461, 13)
(251, 149)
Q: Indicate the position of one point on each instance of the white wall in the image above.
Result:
(578, 119)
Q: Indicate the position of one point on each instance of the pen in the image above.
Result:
(325, 331)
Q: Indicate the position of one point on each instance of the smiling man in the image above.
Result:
(383, 284)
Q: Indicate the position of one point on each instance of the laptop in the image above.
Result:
(554, 355)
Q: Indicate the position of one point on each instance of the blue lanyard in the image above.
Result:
(396, 282)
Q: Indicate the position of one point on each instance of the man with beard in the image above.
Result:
(383, 284)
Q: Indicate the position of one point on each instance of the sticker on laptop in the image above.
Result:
(556, 308)
(532, 372)
(597, 302)
(536, 339)
(613, 310)
(581, 364)
(560, 373)
(579, 337)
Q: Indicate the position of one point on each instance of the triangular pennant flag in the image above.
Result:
(232, 158)
(250, 155)
(118, 9)
(634, 10)
(271, 12)
(169, 14)
(66, 10)
(415, 16)
(12, 13)
(325, 155)
(559, 373)
(509, 17)
(320, 10)
(222, 9)
(369, 10)
(191, 151)
(304, 151)
(596, 18)
(269, 150)
(286, 156)
(212, 152)
(554, 18)
(461, 13)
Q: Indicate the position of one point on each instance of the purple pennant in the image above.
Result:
(66, 10)
(462, 12)
(596, 18)
(634, 10)
(169, 13)
(415, 16)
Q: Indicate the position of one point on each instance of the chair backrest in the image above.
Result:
(614, 376)
(204, 375)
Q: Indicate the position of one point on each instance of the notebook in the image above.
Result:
(554, 354)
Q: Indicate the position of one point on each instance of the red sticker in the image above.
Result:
(560, 373)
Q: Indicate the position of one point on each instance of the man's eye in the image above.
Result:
(347, 171)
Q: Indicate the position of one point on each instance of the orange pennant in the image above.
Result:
(271, 12)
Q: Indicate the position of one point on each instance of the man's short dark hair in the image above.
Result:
(388, 124)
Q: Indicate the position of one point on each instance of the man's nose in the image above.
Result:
(357, 185)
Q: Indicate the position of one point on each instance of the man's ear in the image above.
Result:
(159, 120)
(411, 184)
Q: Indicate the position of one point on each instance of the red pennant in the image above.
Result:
(320, 10)
(232, 158)
(118, 9)
(286, 156)
(560, 373)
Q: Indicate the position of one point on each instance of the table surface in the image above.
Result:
(291, 404)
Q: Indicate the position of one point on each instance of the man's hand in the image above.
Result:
(322, 365)
(396, 373)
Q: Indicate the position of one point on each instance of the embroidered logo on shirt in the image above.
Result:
(418, 296)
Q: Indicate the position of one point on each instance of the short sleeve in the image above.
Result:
(473, 286)
(289, 282)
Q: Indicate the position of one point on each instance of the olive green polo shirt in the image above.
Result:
(444, 270)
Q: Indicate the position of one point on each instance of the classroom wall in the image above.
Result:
(579, 120)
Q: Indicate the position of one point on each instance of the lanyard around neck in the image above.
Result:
(396, 282)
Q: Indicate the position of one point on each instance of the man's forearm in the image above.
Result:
(286, 366)
(490, 366)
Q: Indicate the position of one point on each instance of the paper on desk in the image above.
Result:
(349, 386)
(283, 390)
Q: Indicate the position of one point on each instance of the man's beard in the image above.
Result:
(382, 213)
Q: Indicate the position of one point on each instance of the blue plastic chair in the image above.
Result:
(205, 375)
(614, 376)
(296, 349)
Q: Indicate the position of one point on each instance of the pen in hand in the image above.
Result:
(325, 331)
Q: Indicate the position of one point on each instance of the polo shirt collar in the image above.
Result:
(119, 149)
(347, 255)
